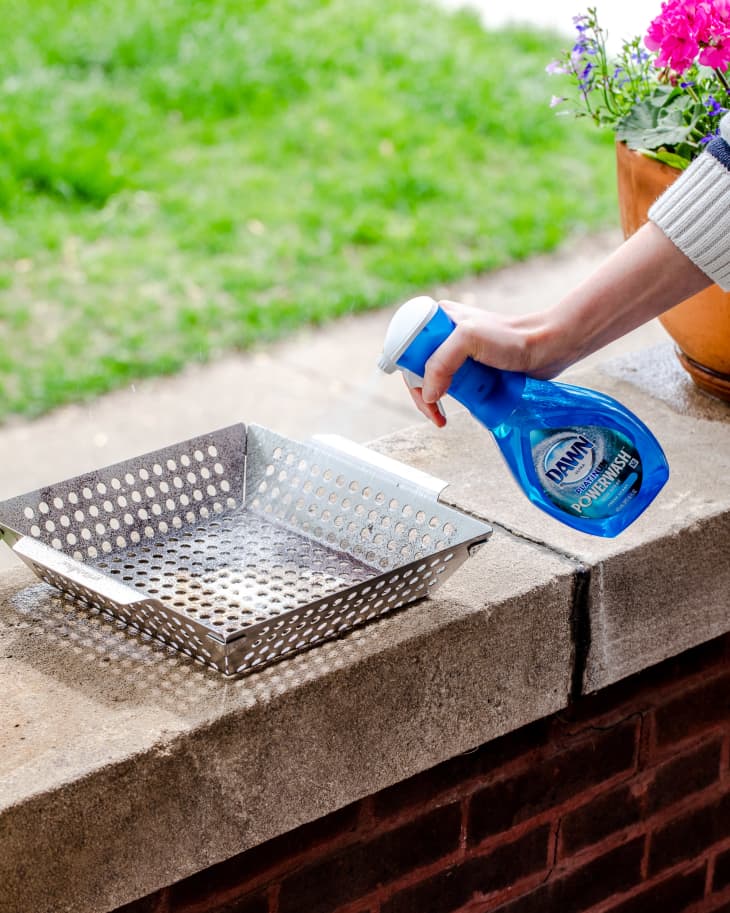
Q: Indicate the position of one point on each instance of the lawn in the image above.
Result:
(180, 178)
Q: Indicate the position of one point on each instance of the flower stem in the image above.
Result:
(693, 94)
(723, 80)
(599, 44)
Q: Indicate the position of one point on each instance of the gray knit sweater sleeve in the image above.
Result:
(694, 212)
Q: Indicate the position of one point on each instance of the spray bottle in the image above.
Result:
(577, 454)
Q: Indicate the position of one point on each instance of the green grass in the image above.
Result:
(183, 177)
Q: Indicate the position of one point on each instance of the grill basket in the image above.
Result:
(241, 547)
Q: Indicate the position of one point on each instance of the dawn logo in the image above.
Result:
(569, 460)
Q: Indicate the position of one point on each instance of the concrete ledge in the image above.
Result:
(124, 768)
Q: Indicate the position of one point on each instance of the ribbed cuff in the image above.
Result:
(694, 213)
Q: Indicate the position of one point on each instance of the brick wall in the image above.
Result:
(619, 805)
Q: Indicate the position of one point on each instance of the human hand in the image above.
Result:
(510, 343)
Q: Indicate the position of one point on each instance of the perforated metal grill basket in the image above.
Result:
(241, 547)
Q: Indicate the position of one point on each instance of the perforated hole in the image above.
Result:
(241, 568)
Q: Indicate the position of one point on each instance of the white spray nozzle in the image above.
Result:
(386, 365)
(405, 325)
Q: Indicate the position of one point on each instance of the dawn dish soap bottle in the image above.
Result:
(578, 455)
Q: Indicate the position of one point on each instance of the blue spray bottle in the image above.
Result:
(578, 455)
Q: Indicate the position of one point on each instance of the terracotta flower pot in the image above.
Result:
(700, 326)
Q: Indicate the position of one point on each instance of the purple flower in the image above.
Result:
(640, 56)
(710, 136)
(555, 67)
(584, 77)
(714, 108)
(617, 74)
(556, 100)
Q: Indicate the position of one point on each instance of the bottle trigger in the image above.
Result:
(413, 380)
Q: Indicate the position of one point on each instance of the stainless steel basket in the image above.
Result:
(241, 547)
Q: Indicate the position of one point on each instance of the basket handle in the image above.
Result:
(38, 554)
(423, 482)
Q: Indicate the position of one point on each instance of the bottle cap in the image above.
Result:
(406, 324)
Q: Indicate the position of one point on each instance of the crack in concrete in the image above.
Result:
(580, 629)
(524, 537)
(580, 615)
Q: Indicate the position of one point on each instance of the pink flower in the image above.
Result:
(716, 55)
(713, 33)
(672, 34)
(690, 30)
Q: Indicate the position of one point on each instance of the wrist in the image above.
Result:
(548, 340)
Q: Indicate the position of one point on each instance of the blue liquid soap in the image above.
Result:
(577, 454)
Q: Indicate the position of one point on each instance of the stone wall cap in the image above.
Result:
(110, 744)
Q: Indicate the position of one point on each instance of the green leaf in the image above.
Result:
(650, 126)
(669, 158)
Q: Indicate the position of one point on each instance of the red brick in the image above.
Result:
(721, 877)
(552, 781)
(691, 772)
(674, 895)
(613, 873)
(693, 711)
(237, 873)
(495, 871)
(357, 870)
(603, 815)
(626, 805)
(457, 771)
(690, 834)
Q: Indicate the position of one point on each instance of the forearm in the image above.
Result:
(645, 276)
(684, 248)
